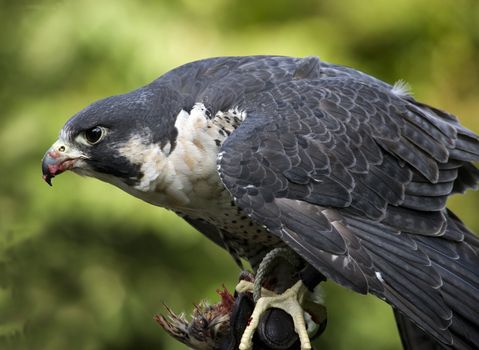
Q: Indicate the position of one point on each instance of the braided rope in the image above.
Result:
(267, 263)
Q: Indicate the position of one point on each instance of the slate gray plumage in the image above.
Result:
(387, 163)
(348, 171)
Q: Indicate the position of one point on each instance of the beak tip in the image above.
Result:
(57, 160)
(48, 179)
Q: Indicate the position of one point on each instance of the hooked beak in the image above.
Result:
(59, 158)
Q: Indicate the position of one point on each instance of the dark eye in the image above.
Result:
(94, 134)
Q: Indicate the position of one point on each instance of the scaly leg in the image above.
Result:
(289, 301)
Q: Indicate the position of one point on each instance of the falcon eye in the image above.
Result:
(94, 135)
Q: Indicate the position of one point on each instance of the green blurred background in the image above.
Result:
(85, 266)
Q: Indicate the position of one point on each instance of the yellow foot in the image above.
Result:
(289, 301)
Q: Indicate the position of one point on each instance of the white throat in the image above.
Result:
(184, 178)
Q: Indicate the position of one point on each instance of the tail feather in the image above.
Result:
(433, 280)
(413, 337)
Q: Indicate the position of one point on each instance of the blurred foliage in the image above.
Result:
(85, 266)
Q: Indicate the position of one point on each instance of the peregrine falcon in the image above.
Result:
(348, 173)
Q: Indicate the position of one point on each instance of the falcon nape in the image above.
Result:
(348, 173)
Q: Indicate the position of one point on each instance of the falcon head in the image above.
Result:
(110, 139)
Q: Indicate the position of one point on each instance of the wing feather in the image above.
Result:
(355, 178)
